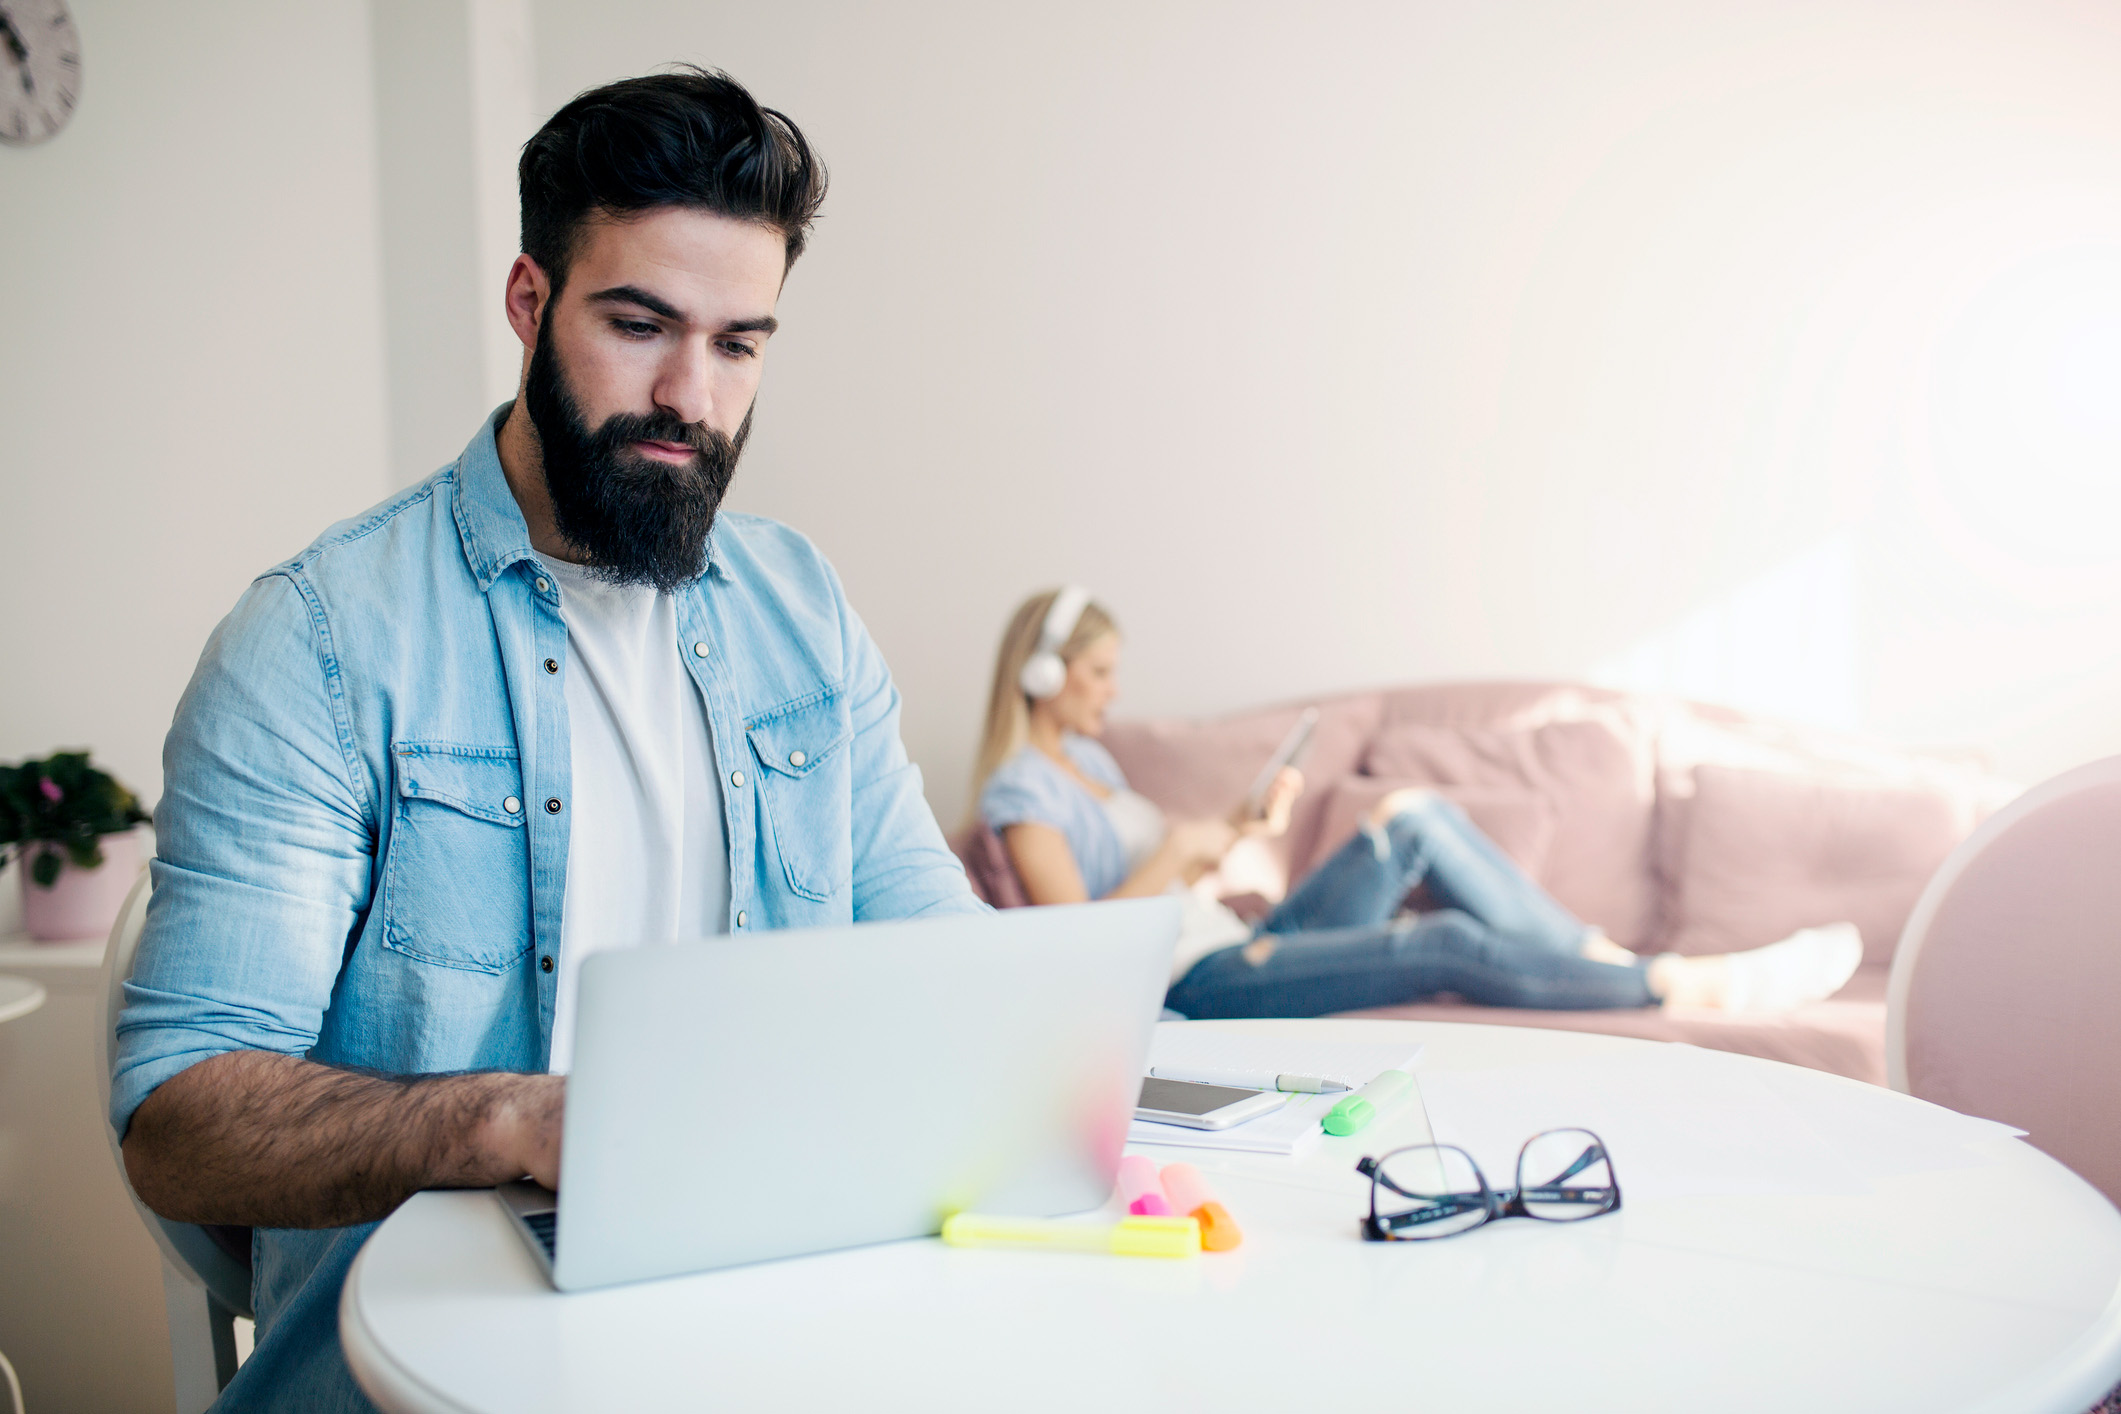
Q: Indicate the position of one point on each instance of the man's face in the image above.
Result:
(641, 384)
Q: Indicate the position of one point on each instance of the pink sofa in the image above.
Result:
(1675, 826)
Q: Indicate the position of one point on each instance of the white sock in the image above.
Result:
(1808, 966)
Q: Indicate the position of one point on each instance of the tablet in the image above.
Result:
(1288, 753)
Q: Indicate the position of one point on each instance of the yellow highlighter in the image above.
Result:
(1129, 1237)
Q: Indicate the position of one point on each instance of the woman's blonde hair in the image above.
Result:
(1008, 708)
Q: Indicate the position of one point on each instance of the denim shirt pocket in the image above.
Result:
(806, 786)
(456, 884)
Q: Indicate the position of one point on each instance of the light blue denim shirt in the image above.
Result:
(362, 840)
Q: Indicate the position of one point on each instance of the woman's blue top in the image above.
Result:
(1031, 789)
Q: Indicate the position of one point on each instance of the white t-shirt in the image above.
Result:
(647, 849)
(1206, 923)
(1138, 822)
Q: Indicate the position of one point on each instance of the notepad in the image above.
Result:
(1294, 1128)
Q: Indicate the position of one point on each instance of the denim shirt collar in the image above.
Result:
(489, 521)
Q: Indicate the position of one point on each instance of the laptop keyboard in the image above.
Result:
(546, 1228)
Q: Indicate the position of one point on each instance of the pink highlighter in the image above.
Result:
(1188, 1192)
(1140, 1190)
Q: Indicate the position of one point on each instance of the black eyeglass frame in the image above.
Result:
(1493, 1204)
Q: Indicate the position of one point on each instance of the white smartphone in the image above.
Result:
(1203, 1106)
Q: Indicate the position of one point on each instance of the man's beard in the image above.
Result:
(633, 520)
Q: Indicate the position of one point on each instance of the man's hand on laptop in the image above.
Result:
(267, 1140)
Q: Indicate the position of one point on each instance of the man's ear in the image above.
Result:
(526, 299)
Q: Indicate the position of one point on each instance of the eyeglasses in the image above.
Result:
(1436, 1190)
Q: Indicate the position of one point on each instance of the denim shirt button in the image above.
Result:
(699, 650)
(552, 665)
(511, 805)
(736, 778)
(552, 806)
(796, 758)
(740, 918)
(543, 584)
(545, 963)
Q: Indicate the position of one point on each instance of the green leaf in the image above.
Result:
(86, 854)
(90, 803)
(45, 869)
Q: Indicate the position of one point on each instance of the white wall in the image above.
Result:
(453, 107)
(191, 387)
(191, 368)
(1761, 350)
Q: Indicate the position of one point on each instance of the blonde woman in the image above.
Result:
(1338, 942)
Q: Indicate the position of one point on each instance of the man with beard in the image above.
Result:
(546, 702)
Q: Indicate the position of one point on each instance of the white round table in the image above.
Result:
(19, 996)
(1991, 1287)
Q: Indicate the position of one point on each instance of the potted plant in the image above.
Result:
(73, 825)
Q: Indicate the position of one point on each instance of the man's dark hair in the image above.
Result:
(695, 137)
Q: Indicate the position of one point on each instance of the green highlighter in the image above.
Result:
(1359, 1108)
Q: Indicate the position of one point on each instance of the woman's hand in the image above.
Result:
(1043, 861)
(1273, 821)
(1201, 844)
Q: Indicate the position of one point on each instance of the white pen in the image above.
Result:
(1248, 1079)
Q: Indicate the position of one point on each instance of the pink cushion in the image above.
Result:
(988, 867)
(1519, 821)
(1843, 1035)
(1763, 853)
(1501, 704)
(1194, 768)
(1596, 774)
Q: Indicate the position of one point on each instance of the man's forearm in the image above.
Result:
(268, 1140)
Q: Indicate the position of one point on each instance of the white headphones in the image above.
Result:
(1044, 673)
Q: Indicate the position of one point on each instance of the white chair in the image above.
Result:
(2008, 976)
(205, 1284)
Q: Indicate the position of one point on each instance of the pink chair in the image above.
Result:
(2008, 977)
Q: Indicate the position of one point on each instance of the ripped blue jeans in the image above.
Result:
(1498, 939)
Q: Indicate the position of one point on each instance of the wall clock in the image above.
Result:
(40, 69)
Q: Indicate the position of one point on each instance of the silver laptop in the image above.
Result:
(744, 1098)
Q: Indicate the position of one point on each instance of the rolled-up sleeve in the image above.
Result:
(1014, 797)
(264, 847)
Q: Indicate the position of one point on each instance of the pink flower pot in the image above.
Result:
(81, 903)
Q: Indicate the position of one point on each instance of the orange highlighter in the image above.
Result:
(1190, 1197)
